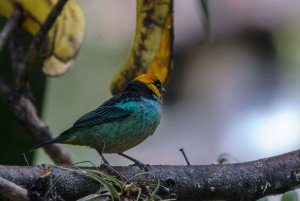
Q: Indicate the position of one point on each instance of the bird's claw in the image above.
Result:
(138, 163)
(142, 166)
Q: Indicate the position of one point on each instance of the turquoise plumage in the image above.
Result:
(120, 123)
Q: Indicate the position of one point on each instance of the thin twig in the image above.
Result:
(25, 159)
(26, 113)
(17, 55)
(185, 157)
(13, 191)
(10, 26)
(38, 41)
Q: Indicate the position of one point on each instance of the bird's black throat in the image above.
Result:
(136, 87)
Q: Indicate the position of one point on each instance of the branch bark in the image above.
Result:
(18, 98)
(37, 41)
(239, 181)
(26, 113)
(13, 191)
(10, 25)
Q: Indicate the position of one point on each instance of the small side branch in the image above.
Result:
(10, 26)
(37, 42)
(12, 191)
(47, 25)
(185, 157)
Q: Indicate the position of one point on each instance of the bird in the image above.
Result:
(120, 123)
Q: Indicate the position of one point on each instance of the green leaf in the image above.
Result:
(153, 194)
(205, 9)
(204, 4)
(94, 197)
(290, 196)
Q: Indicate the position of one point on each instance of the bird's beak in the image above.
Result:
(162, 90)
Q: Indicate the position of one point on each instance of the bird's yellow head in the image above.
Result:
(152, 82)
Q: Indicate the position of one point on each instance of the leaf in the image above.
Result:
(95, 197)
(204, 4)
(112, 190)
(113, 180)
(206, 21)
(290, 196)
(153, 194)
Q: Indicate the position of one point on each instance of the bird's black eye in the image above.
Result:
(159, 87)
(157, 84)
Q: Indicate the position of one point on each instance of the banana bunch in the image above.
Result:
(64, 38)
(152, 47)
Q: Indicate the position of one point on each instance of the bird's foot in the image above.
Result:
(142, 166)
(138, 163)
(103, 159)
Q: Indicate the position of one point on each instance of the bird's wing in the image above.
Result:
(101, 115)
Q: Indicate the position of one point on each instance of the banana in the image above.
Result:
(152, 47)
(64, 38)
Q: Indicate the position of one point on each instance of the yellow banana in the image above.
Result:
(64, 38)
(151, 51)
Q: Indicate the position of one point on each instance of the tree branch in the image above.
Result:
(37, 41)
(12, 191)
(18, 98)
(239, 181)
(26, 113)
(10, 25)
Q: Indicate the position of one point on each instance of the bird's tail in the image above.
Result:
(62, 137)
